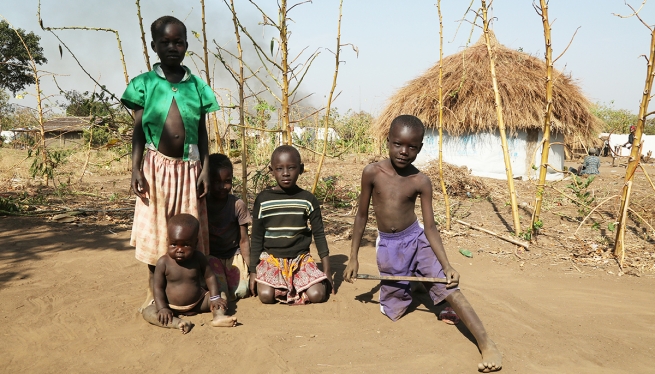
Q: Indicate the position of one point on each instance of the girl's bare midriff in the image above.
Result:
(171, 142)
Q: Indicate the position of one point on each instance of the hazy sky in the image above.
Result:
(397, 41)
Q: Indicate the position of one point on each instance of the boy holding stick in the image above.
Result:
(404, 247)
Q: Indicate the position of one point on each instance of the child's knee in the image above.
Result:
(317, 293)
(266, 295)
(150, 312)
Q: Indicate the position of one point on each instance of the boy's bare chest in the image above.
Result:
(394, 189)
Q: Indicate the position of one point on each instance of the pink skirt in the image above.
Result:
(173, 190)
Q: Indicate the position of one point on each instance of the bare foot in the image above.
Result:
(491, 358)
(224, 321)
(184, 326)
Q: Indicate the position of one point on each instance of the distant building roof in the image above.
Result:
(66, 124)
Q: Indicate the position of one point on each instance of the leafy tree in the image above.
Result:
(6, 110)
(15, 71)
(619, 121)
(86, 104)
(615, 120)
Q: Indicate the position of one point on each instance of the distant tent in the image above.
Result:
(470, 125)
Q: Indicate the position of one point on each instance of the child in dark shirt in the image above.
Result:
(228, 216)
(280, 264)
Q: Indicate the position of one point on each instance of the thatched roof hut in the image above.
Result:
(469, 105)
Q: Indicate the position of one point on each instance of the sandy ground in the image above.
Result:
(70, 292)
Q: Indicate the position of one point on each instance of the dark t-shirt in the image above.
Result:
(224, 230)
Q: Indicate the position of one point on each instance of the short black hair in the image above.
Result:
(157, 27)
(286, 149)
(409, 121)
(185, 220)
(218, 161)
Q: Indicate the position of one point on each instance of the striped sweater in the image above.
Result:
(279, 225)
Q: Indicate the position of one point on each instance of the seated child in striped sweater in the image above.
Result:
(281, 267)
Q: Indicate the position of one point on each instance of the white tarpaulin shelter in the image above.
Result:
(620, 139)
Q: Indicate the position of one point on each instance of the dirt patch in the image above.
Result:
(70, 288)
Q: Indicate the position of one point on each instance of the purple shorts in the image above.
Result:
(407, 253)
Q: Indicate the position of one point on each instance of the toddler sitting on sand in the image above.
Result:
(177, 276)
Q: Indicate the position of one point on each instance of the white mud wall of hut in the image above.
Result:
(482, 153)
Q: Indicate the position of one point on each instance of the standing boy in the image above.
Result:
(281, 267)
(170, 105)
(404, 247)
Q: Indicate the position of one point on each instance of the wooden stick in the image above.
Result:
(401, 278)
(619, 244)
(647, 176)
(515, 241)
(596, 207)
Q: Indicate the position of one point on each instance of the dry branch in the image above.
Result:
(647, 176)
(511, 240)
(590, 212)
(329, 102)
(143, 35)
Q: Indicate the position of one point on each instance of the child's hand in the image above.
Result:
(452, 276)
(165, 316)
(218, 304)
(252, 281)
(329, 279)
(139, 183)
(351, 270)
(203, 184)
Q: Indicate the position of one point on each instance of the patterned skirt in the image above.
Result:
(172, 190)
(290, 277)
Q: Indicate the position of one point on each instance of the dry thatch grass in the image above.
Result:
(458, 179)
(469, 104)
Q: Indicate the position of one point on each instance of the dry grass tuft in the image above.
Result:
(459, 180)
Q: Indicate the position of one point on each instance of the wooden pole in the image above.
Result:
(543, 166)
(441, 175)
(619, 245)
(501, 123)
(634, 160)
